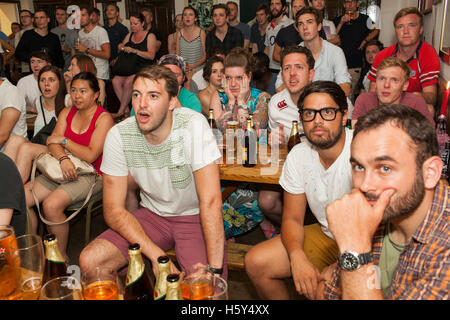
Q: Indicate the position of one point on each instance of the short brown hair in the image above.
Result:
(418, 128)
(155, 73)
(220, 6)
(298, 49)
(394, 62)
(309, 10)
(409, 10)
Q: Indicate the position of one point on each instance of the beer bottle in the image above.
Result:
(163, 272)
(54, 265)
(251, 121)
(138, 285)
(349, 124)
(211, 121)
(249, 149)
(294, 137)
(173, 287)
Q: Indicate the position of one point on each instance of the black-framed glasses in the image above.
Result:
(327, 114)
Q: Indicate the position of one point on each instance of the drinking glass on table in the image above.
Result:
(62, 288)
(196, 282)
(220, 289)
(100, 284)
(29, 259)
(9, 286)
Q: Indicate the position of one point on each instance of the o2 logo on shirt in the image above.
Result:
(282, 105)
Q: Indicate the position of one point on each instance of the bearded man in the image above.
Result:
(392, 230)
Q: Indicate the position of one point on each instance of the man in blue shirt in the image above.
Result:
(116, 31)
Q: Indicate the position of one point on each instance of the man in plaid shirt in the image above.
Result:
(392, 230)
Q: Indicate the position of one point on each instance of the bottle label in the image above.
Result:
(159, 295)
(129, 280)
(244, 154)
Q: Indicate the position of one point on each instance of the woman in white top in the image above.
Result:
(79, 63)
(48, 105)
(171, 39)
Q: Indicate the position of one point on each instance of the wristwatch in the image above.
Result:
(215, 270)
(350, 260)
(64, 141)
(87, 51)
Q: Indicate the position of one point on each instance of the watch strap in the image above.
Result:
(365, 258)
(215, 270)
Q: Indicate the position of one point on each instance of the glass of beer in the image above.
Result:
(219, 289)
(62, 288)
(231, 140)
(29, 259)
(351, 15)
(9, 286)
(196, 283)
(100, 284)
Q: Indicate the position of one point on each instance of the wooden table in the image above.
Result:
(267, 170)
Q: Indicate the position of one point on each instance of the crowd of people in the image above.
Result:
(380, 232)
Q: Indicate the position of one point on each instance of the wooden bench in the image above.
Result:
(235, 254)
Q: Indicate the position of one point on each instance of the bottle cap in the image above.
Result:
(134, 246)
(163, 259)
(49, 237)
(173, 277)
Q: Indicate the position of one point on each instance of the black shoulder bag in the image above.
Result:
(46, 131)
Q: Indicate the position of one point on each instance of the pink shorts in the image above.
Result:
(184, 233)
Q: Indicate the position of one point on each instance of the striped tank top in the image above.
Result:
(191, 51)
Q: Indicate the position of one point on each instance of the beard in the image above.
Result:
(404, 204)
(326, 142)
(277, 14)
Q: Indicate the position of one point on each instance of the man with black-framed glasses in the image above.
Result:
(316, 173)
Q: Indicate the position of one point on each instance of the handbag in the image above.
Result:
(50, 167)
(46, 131)
(126, 64)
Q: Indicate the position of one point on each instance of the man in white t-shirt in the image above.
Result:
(171, 154)
(28, 86)
(12, 111)
(315, 173)
(297, 71)
(94, 41)
(279, 20)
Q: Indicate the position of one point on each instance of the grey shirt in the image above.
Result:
(68, 38)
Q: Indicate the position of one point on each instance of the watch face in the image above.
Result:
(349, 261)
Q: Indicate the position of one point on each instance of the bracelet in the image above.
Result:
(63, 158)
